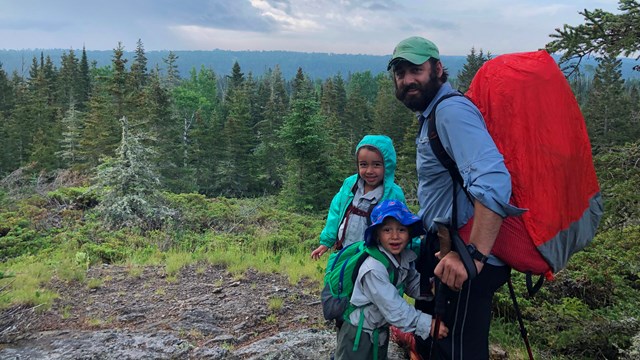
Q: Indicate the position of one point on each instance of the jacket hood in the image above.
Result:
(384, 144)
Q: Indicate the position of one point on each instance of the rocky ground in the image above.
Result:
(203, 313)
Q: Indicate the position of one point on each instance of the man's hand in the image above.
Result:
(450, 270)
(319, 252)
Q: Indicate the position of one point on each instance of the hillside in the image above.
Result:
(315, 65)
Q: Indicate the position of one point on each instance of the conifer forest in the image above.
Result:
(127, 163)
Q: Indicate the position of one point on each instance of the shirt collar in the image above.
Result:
(444, 89)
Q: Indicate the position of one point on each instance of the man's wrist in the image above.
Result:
(476, 254)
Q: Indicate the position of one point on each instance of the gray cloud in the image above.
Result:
(228, 15)
(28, 24)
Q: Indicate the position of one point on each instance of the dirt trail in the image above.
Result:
(203, 311)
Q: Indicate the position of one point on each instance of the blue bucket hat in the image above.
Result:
(397, 210)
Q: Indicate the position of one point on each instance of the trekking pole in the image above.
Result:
(444, 238)
(523, 331)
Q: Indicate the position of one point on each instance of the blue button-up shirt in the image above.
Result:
(465, 138)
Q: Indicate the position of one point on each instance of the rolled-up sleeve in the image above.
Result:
(464, 136)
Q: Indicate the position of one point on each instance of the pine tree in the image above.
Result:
(207, 147)
(7, 103)
(128, 186)
(38, 116)
(607, 112)
(118, 81)
(358, 117)
(173, 74)
(271, 167)
(138, 106)
(236, 170)
(332, 109)
(100, 135)
(68, 80)
(390, 116)
(84, 82)
(71, 134)
(307, 184)
(603, 33)
(139, 68)
(470, 68)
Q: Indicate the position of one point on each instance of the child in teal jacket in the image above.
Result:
(350, 208)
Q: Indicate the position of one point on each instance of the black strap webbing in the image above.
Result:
(452, 168)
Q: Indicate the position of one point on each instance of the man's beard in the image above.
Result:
(420, 101)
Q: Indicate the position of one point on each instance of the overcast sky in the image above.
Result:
(335, 26)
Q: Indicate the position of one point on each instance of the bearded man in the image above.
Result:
(421, 84)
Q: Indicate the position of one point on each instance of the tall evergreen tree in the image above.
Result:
(470, 68)
(607, 112)
(72, 124)
(38, 116)
(271, 167)
(68, 81)
(173, 74)
(7, 101)
(207, 147)
(118, 83)
(307, 185)
(100, 135)
(84, 82)
(129, 185)
(139, 67)
(358, 116)
(236, 171)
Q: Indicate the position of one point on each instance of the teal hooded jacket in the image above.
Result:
(344, 197)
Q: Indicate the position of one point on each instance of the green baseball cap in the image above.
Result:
(415, 50)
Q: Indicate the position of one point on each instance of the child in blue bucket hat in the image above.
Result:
(378, 301)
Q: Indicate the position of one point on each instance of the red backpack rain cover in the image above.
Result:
(536, 123)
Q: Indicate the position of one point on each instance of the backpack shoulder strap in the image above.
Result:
(436, 144)
(452, 168)
(384, 259)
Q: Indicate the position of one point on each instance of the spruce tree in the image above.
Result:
(271, 167)
(607, 112)
(470, 68)
(72, 124)
(100, 135)
(172, 78)
(84, 82)
(307, 185)
(139, 67)
(68, 81)
(237, 168)
(128, 186)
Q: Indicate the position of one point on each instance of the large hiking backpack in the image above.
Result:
(536, 123)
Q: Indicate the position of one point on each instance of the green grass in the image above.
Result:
(275, 304)
(27, 287)
(591, 305)
(95, 283)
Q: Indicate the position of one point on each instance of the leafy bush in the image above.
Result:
(590, 309)
(76, 197)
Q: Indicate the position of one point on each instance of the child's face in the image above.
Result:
(393, 236)
(370, 168)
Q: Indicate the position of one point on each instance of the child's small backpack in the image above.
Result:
(339, 279)
(340, 276)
